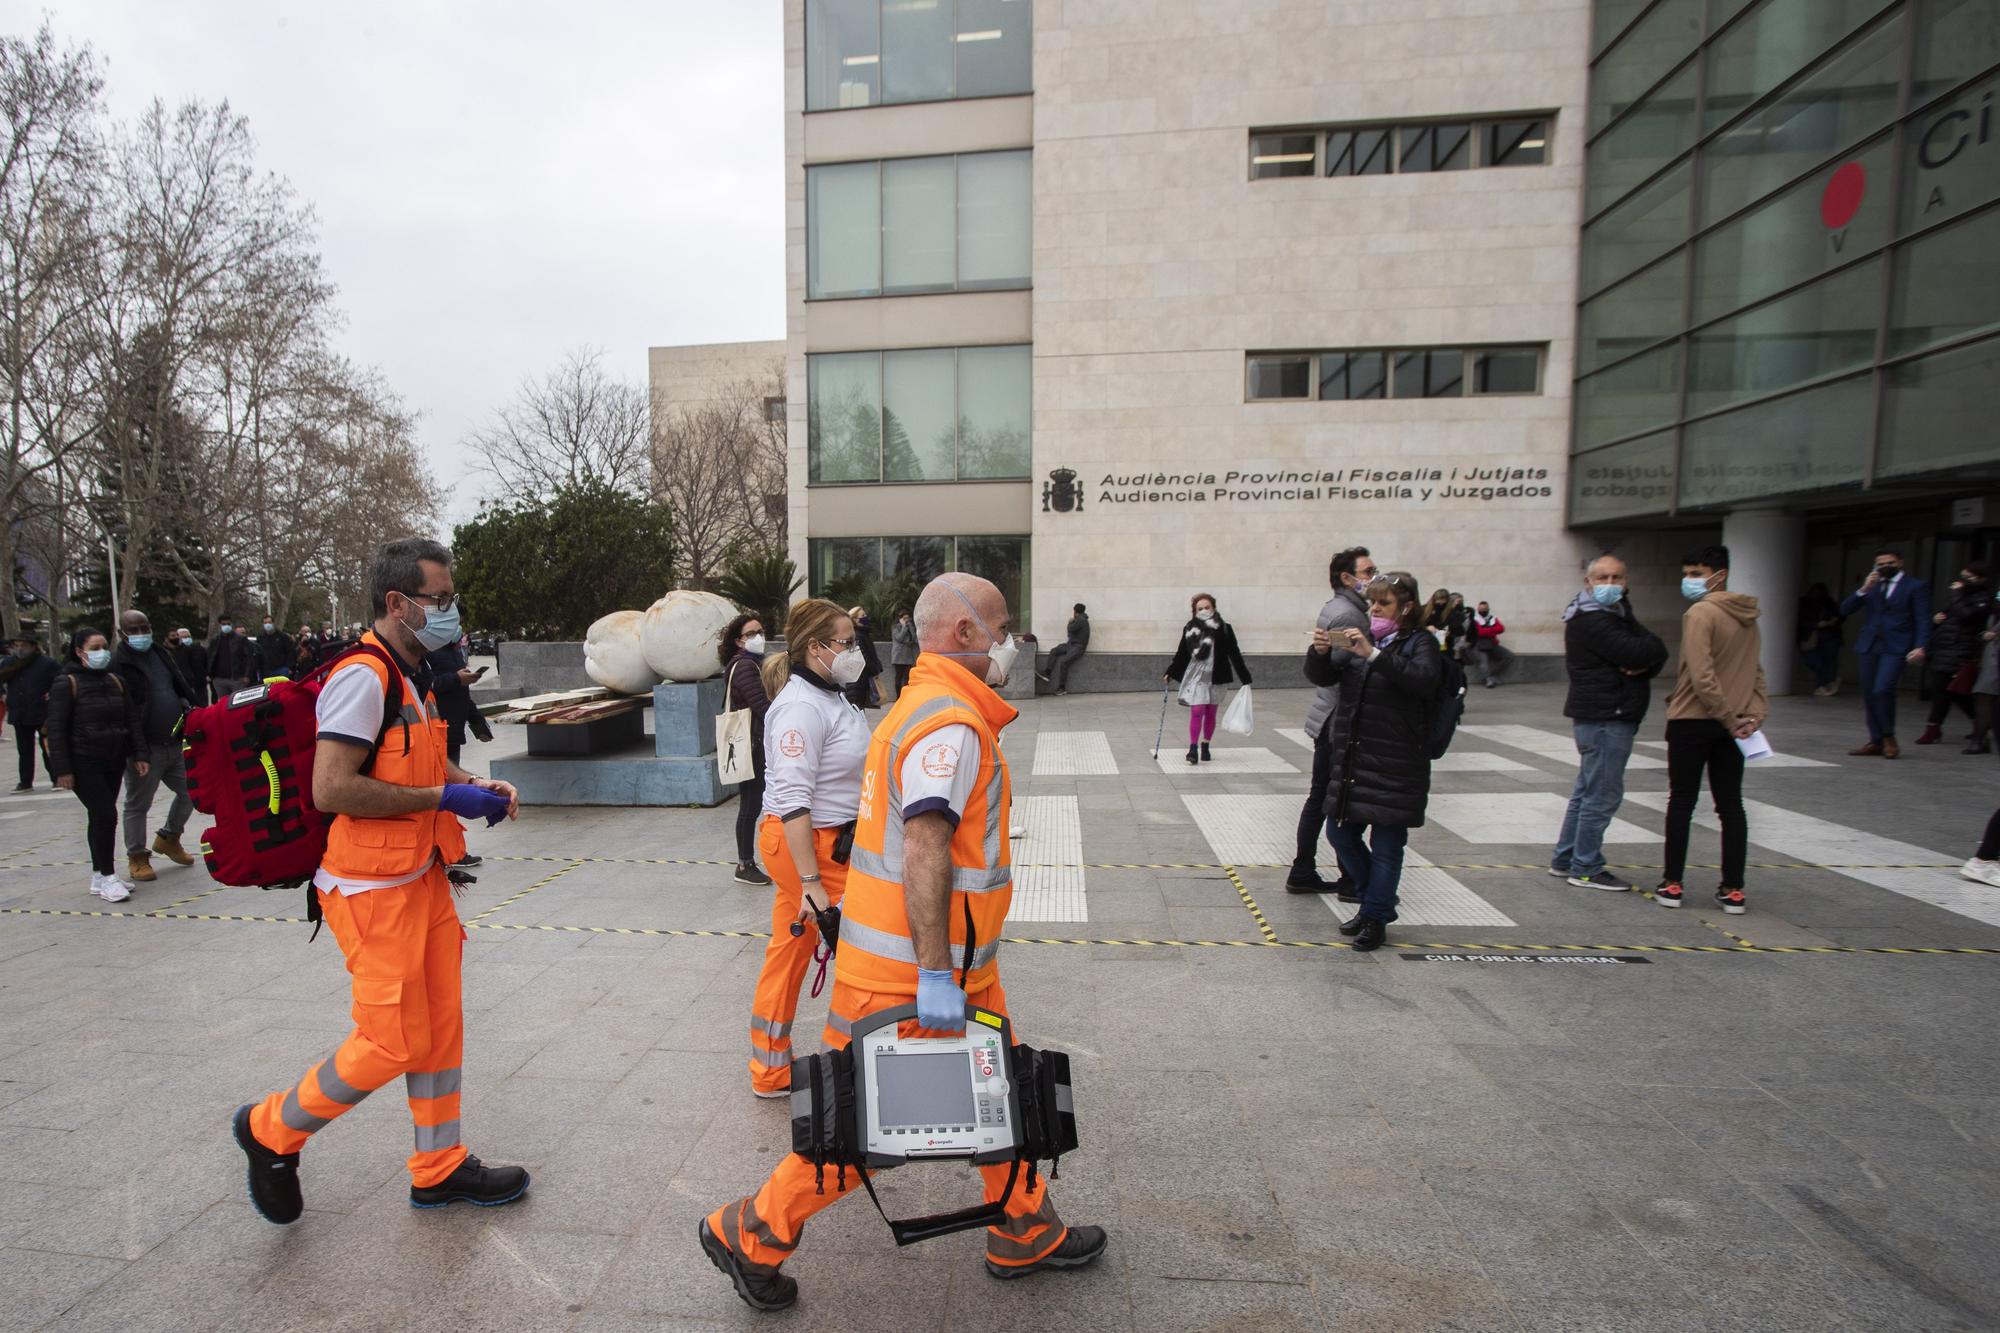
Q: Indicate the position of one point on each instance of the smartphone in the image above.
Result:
(477, 674)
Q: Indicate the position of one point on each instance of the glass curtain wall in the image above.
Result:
(923, 414)
(873, 52)
(842, 563)
(1790, 275)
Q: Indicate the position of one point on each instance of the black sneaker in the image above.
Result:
(473, 1182)
(1603, 879)
(748, 873)
(25, 786)
(760, 1291)
(274, 1177)
(1306, 882)
(1370, 934)
(1732, 901)
(1082, 1247)
(466, 862)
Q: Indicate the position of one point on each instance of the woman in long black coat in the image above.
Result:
(1206, 659)
(94, 728)
(1381, 780)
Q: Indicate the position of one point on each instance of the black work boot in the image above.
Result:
(1352, 926)
(1305, 881)
(1205, 755)
(760, 1289)
(1194, 755)
(473, 1182)
(1082, 1247)
(1372, 933)
(274, 1177)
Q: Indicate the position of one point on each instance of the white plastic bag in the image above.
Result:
(1239, 719)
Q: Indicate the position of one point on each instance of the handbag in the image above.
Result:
(734, 762)
(1962, 680)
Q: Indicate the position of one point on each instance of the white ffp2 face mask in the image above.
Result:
(846, 667)
(754, 645)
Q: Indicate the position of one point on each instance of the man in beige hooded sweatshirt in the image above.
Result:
(1718, 699)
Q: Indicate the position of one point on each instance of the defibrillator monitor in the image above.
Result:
(935, 1096)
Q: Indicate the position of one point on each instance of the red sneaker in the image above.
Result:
(1668, 895)
(1732, 901)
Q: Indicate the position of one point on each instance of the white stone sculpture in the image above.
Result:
(681, 632)
(612, 656)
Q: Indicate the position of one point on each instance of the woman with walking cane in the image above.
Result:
(1207, 657)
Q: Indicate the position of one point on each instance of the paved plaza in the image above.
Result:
(1785, 1120)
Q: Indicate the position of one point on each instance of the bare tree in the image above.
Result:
(574, 424)
(49, 98)
(719, 465)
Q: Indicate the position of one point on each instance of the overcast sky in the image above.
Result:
(495, 182)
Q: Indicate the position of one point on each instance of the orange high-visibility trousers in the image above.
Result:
(765, 1228)
(786, 958)
(404, 948)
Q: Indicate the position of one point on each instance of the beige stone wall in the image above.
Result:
(1158, 263)
(696, 375)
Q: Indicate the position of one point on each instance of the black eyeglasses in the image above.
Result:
(840, 643)
(451, 599)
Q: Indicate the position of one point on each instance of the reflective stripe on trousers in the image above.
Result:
(787, 957)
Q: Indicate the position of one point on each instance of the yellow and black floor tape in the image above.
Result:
(509, 902)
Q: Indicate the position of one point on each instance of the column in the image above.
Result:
(1766, 555)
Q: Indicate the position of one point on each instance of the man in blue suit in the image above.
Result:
(1897, 629)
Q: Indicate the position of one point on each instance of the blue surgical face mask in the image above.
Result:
(140, 642)
(439, 627)
(1694, 587)
(1608, 594)
(97, 659)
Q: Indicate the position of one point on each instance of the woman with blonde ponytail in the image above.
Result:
(815, 743)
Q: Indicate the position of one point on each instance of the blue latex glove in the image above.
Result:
(470, 802)
(940, 1001)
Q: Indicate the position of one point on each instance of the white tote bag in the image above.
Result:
(733, 760)
(1240, 719)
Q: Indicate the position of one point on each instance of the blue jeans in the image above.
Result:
(1879, 674)
(1603, 749)
(1376, 868)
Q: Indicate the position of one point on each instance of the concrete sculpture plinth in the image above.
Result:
(680, 770)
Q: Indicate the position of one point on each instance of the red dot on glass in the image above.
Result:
(1842, 197)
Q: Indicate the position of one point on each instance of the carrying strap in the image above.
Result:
(913, 1229)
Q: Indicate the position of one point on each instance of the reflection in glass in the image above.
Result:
(1950, 157)
(1436, 148)
(1279, 377)
(1281, 155)
(917, 50)
(1955, 40)
(844, 230)
(1657, 131)
(1003, 561)
(919, 253)
(995, 42)
(995, 412)
(842, 54)
(1352, 375)
(1506, 370)
(922, 558)
(1636, 231)
(994, 227)
(1623, 481)
(1655, 45)
(1944, 285)
(844, 417)
(1848, 96)
(1358, 152)
(918, 416)
(834, 559)
(1516, 143)
(1785, 240)
(1939, 412)
(1770, 44)
(1803, 442)
(1819, 330)
(1439, 373)
(1635, 395)
(1640, 311)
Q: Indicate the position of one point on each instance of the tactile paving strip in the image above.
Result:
(1228, 759)
(1066, 754)
(1261, 830)
(1049, 884)
(1551, 745)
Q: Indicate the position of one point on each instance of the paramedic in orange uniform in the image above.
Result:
(930, 858)
(814, 743)
(383, 892)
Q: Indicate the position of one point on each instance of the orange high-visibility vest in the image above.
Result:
(412, 754)
(876, 951)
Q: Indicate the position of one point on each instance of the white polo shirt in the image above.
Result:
(815, 746)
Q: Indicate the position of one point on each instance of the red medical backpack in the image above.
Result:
(249, 765)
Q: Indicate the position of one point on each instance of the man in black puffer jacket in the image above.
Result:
(1612, 660)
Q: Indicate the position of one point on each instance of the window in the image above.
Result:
(1273, 377)
(1944, 285)
(1642, 310)
(1938, 412)
(919, 224)
(843, 53)
(1741, 67)
(1655, 133)
(1430, 374)
(1353, 375)
(1413, 372)
(1516, 143)
(1282, 155)
(1818, 330)
(1379, 150)
(840, 564)
(844, 235)
(1435, 148)
(1506, 370)
(1642, 57)
(1801, 442)
(1636, 232)
(1624, 480)
(867, 52)
(926, 414)
(774, 410)
(1358, 152)
(1634, 395)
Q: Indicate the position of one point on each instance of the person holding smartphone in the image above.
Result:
(1380, 782)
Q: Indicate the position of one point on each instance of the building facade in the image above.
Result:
(1118, 302)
